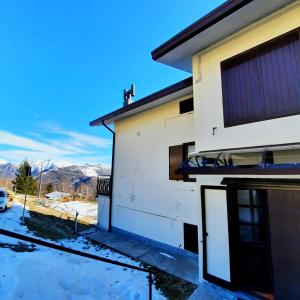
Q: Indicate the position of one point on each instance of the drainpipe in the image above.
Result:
(111, 175)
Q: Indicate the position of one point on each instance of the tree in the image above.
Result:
(49, 188)
(21, 178)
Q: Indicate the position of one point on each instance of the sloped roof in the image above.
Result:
(165, 95)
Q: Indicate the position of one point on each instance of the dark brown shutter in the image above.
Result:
(175, 159)
(263, 83)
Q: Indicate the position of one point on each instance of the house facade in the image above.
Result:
(238, 185)
(149, 199)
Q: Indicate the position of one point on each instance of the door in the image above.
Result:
(254, 265)
(216, 260)
(284, 211)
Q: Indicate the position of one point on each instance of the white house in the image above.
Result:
(149, 199)
(236, 193)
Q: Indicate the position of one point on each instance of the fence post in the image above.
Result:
(150, 285)
(25, 200)
(75, 224)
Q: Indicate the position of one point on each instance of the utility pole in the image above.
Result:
(40, 183)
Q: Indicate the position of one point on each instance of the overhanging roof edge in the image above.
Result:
(210, 19)
(181, 85)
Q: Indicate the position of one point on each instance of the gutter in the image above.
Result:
(111, 176)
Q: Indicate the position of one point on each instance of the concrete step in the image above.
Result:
(184, 267)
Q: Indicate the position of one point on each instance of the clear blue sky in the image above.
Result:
(66, 62)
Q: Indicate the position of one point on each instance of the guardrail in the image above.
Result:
(79, 253)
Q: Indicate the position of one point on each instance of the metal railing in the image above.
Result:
(79, 253)
(104, 186)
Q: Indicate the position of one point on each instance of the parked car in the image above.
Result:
(3, 200)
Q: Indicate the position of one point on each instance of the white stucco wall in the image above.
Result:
(208, 102)
(145, 201)
(208, 91)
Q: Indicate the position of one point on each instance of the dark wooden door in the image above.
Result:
(284, 212)
(254, 266)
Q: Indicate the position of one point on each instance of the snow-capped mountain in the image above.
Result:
(53, 170)
(8, 170)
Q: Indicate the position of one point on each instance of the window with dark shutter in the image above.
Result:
(175, 159)
(186, 106)
(263, 83)
(177, 154)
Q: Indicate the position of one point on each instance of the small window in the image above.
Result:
(186, 106)
(252, 215)
(177, 154)
(190, 237)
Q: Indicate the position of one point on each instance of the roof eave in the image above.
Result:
(225, 21)
(216, 15)
(145, 103)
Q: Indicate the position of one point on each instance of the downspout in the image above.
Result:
(111, 176)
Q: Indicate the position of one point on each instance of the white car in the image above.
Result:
(3, 200)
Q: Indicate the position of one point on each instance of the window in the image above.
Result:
(186, 106)
(252, 215)
(177, 154)
(263, 83)
(190, 237)
(175, 159)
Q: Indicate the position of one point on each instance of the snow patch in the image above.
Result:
(167, 255)
(3, 162)
(57, 195)
(49, 274)
(85, 209)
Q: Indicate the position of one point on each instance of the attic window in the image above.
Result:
(186, 106)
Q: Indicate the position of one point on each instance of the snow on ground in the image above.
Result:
(57, 195)
(85, 209)
(49, 274)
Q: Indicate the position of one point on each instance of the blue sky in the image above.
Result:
(66, 62)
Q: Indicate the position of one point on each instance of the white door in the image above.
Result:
(216, 259)
(103, 212)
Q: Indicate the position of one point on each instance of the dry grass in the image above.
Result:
(49, 223)
(39, 206)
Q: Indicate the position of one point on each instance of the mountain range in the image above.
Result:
(64, 173)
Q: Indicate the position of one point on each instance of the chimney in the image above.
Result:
(128, 95)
